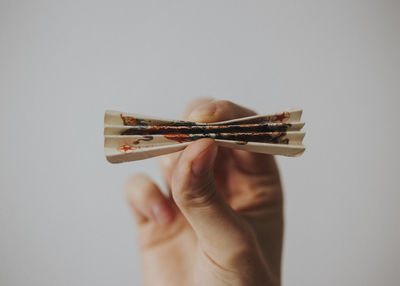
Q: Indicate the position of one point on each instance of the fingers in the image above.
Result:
(147, 202)
(167, 162)
(221, 110)
(193, 105)
(217, 226)
(218, 110)
(203, 110)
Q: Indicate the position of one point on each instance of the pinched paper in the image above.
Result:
(130, 137)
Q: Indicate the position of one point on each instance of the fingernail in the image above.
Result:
(162, 213)
(204, 161)
(203, 111)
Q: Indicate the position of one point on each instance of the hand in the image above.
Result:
(222, 223)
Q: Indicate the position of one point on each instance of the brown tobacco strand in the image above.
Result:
(273, 137)
(250, 128)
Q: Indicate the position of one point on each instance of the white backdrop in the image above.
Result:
(63, 218)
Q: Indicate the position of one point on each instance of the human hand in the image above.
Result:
(222, 223)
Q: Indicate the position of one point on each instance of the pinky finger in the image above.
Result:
(147, 202)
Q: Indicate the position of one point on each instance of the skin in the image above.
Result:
(222, 223)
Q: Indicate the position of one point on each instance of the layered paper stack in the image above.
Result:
(130, 137)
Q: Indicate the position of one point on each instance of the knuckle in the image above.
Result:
(201, 196)
(190, 195)
(224, 105)
(220, 110)
(199, 100)
(193, 104)
(228, 110)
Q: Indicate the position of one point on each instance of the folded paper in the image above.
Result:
(130, 137)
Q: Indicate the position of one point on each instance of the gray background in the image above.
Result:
(63, 218)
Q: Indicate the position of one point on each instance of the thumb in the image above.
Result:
(218, 228)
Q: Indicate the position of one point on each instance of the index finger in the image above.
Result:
(221, 110)
(203, 110)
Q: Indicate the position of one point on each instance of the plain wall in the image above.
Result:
(63, 217)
